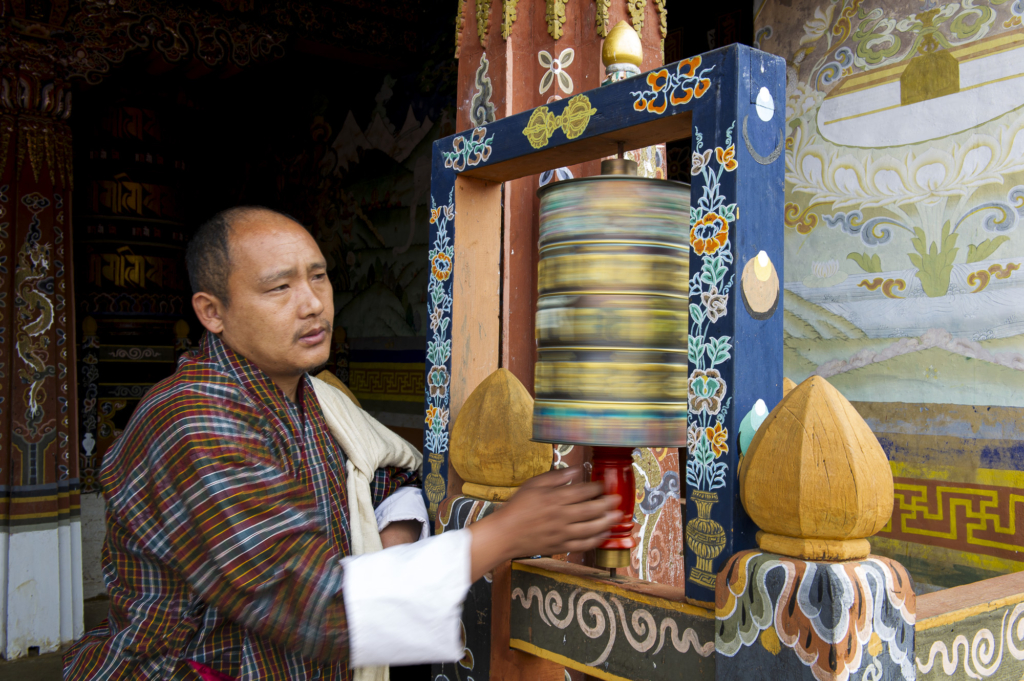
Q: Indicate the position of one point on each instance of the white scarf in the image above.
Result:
(368, 445)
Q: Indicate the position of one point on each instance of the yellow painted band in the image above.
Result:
(526, 647)
(965, 613)
(982, 476)
(32, 500)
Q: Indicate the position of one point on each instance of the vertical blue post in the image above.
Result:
(735, 325)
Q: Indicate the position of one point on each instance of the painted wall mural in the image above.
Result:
(904, 200)
(657, 517)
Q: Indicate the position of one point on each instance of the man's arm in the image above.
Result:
(401, 514)
(389, 480)
(543, 517)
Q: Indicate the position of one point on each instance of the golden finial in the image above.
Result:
(490, 445)
(815, 480)
(622, 46)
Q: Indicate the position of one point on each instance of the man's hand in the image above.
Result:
(400, 532)
(544, 517)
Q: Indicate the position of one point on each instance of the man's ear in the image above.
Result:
(208, 309)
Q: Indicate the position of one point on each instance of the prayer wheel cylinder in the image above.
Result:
(612, 308)
(132, 294)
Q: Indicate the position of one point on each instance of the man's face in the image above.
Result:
(281, 303)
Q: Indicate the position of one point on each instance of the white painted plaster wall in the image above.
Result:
(40, 589)
(93, 531)
(33, 593)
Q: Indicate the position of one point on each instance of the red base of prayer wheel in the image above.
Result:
(614, 467)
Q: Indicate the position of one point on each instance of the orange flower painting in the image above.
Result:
(709, 234)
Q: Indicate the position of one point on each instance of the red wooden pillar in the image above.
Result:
(505, 50)
(40, 539)
(513, 53)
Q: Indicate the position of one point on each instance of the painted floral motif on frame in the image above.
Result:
(710, 221)
(439, 348)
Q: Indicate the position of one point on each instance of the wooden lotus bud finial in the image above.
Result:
(787, 386)
(815, 480)
(490, 445)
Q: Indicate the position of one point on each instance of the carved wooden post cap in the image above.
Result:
(490, 446)
(787, 386)
(815, 480)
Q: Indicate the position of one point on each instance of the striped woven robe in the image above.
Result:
(226, 523)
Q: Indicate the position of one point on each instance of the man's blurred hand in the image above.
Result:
(545, 516)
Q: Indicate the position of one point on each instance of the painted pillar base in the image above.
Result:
(778, 617)
(458, 513)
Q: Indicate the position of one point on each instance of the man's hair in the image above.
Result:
(208, 257)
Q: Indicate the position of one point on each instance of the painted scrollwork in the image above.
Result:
(595, 615)
(601, 17)
(982, 655)
(796, 600)
(554, 14)
(508, 17)
(636, 13)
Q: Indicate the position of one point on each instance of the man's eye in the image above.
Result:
(319, 277)
(279, 288)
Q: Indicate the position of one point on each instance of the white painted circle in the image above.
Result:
(760, 408)
(765, 105)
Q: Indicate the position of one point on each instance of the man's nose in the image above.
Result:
(310, 304)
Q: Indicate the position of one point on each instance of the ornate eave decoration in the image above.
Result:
(636, 13)
(101, 34)
(663, 16)
(483, 20)
(508, 17)
(555, 16)
(460, 23)
(601, 18)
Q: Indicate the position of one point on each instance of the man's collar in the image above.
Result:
(252, 378)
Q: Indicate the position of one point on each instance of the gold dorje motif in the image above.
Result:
(622, 46)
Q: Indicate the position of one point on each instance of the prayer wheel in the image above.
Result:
(132, 294)
(611, 327)
(612, 311)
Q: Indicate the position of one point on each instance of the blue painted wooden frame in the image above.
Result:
(737, 199)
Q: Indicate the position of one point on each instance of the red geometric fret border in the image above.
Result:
(967, 517)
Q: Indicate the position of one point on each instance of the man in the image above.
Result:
(227, 548)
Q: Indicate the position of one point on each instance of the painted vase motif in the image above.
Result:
(705, 537)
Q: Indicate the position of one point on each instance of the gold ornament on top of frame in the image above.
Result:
(612, 312)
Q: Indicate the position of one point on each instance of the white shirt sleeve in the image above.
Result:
(405, 503)
(404, 603)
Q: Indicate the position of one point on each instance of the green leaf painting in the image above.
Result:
(984, 250)
(934, 262)
(870, 264)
